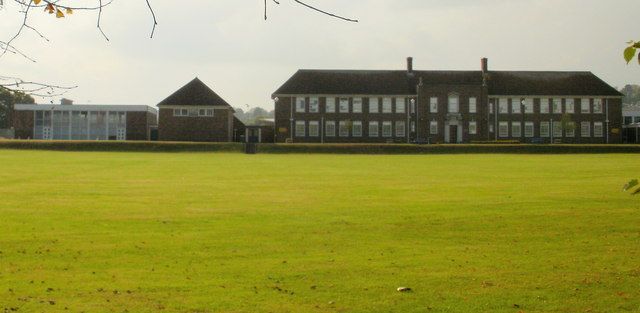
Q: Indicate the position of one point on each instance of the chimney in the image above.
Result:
(410, 65)
(485, 65)
(65, 101)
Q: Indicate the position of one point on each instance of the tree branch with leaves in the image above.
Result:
(631, 51)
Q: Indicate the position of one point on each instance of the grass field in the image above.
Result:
(143, 232)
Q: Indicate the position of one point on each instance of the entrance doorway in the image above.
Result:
(253, 135)
(453, 134)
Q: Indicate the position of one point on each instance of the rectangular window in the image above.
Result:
(516, 129)
(503, 106)
(344, 129)
(628, 120)
(570, 130)
(374, 105)
(557, 129)
(314, 128)
(314, 105)
(544, 105)
(503, 129)
(209, 112)
(344, 105)
(356, 129)
(330, 129)
(544, 129)
(598, 130)
(386, 105)
(400, 129)
(585, 106)
(373, 129)
(516, 106)
(454, 104)
(491, 104)
(300, 129)
(597, 105)
(400, 105)
(433, 105)
(330, 105)
(557, 106)
(473, 105)
(202, 112)
(528, 129)
(569, 106)
(301, 105)
(528, 105)
(357, 105)
(412, 103)
(386, 129)
(585, 129)
(433, 128)
(473, 128)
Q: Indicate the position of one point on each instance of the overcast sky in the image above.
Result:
(229, 46)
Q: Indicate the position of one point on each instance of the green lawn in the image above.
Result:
(146, 232)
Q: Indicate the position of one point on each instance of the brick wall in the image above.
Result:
(139, 125)
(218, 128)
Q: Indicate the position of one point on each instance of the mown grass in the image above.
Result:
(198, 232)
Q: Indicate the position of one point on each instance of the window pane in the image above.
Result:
(473, 128)
(503, 106)
(557, 129)
(516, 129)
(374, 106)
(433, 128)
(386, 129)
(472, 105)
(300, 129)
(344, 105)
(528, 129)
(314, 129)
(544, 129)
(386, 105)
(357, 129)
(357, 105)
(544, 105)
(585, 106)
(503, 129)
(433, 105)
(454, 105)
(516, 106)
(373, 129)
(400, 105)
(330, 130)
(585, 129)
(344, 129)
(331, 105)
(400, 129)
(301, 104)
(313, 105)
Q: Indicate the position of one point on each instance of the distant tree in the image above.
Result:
(567, 123)
(631, 94)
(631, 51)
(8, 98)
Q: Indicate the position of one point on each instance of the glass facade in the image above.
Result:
(80, 125)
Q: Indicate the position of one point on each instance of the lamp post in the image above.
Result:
(522, 109)
(412, 105)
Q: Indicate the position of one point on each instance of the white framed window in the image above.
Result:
(386, 105)
(210, 112)
(301, 129)
(344, 129)
(356, 129)
(330, 105)
(374, 105)
(386, 129)
(344, 105)
(529, 129)
(569, 106)
(400, 129)
(454, 103)
(492, 102)
(598, 130)
(544, 105)
(314, 129)
(433, 105)
(301, 104)
(503, 129)
(473, 105)
(357, 105)
(585, 129)
(516, 106)
(413, 126)
(544, 130)
(503, 106)
(314, 105)
(400, 105)
(473, 128)
(180, 112)
(491, 128)
(528, 105)
(585, 106)
(570, 130)
(330, 128)
(557, 106)
(373, 129)
(557, 129)
(412, 103)
(597, 105)
(205, 112)
(516, 129)
(433, 127)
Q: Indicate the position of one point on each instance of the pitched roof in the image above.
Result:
(343, 82)
(548, 84)
(195, 93)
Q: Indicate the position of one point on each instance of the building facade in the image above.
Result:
(84, 122)
(345, 106)
(195, 113)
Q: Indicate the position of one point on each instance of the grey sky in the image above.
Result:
(243, 58)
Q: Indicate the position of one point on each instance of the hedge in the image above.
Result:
(445, 149)
(122, 146)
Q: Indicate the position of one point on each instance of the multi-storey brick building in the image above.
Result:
(333, 106)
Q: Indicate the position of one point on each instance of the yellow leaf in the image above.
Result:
(37, 2)
(69, 11)
(49, 8)
(59, 13)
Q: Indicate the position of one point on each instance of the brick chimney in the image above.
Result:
(485, 65)
(65, 101)
(410, 65)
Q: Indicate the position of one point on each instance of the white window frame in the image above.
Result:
(301, 129)
(433, 105)
(344, 105)
(544, 106)
(473, 105)
(585, 129)
(516, 106)
(314, 129)
(374, 105)
(343, 129)
(374, 125)
(528, 106)
(503, 129)
(453, 103)
(585, 105)
(516, 129)
(503, 106)
(387, 129)
(401, 129)
(330, 105)
(301, 105)
(401, 105)
(598, 129)
(433, 127)
(558, 132)
(545, 129)
(314, 105)
(473, 128)
(556, 103)
(529, 129)
(387, 105)
(599, 104)
(356, 129)
(569, 106)
(570, 132)
(357, 105)
(330, 128)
